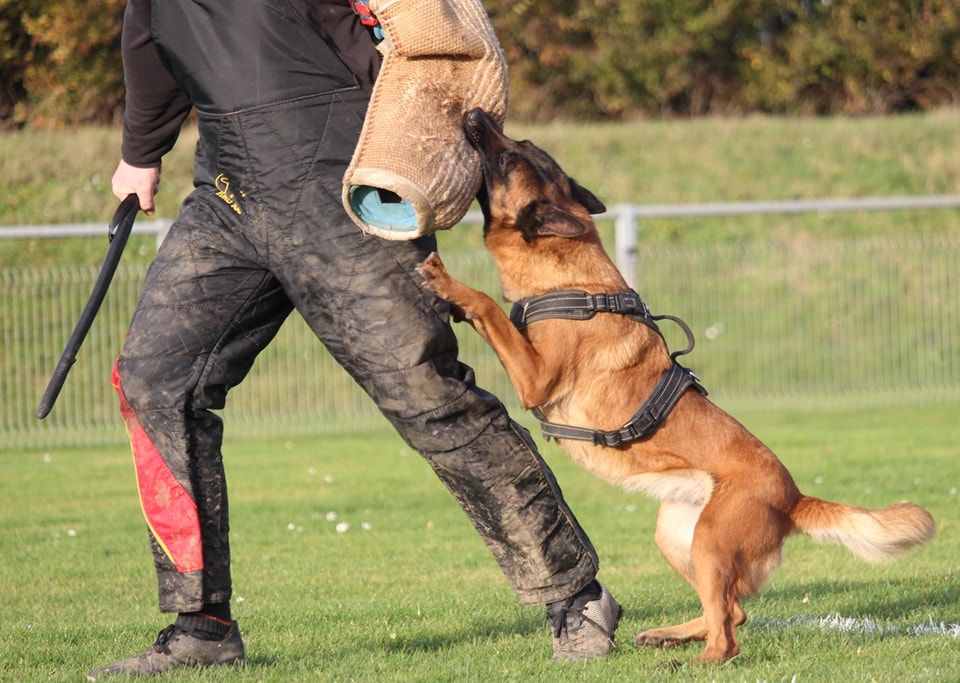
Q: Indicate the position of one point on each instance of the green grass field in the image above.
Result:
(416, 596)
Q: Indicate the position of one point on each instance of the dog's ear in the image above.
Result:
(562, 224)
(541, 218)
(586, 198)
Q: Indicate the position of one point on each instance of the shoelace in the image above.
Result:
(561, 626)
(558, 612)
(164, 638)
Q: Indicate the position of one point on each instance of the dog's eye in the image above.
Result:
(503, 161)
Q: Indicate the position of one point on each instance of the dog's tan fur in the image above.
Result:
(726, 502)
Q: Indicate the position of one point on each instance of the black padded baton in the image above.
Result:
(117, 233)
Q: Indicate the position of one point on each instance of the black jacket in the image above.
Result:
(227, 56)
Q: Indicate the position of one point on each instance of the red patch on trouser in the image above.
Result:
(169, 510)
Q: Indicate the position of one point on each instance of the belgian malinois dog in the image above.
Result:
(726, 502)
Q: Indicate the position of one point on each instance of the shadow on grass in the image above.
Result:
(261, 661)
(527, 622)
(884, 600)
(881, 599)
(493, 628)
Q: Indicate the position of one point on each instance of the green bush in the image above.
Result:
(857, 56)
(14, 56)
(629, 58)
(60, 62)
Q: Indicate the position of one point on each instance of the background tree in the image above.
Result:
(619, 59)
(628, 58)
(61, 61)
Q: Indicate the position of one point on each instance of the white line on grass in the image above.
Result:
(838, 622)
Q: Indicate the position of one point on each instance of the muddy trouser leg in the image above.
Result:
(202, 319)
(394, 339)
(364, 300)
(204, 314)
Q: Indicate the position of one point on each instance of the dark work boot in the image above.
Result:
(177, 647)
(584, 625)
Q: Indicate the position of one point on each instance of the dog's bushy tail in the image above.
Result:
(873, 535)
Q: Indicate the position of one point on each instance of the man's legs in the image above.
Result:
(210, 305)
(205, 312)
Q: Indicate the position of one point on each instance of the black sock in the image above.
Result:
(220, 610)
(590, 592)
(207, 624)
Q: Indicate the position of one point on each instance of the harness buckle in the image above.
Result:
(602, 439)
(598, 303)
(632, 304)
(610, 439)
(627, 433)
(629, 301)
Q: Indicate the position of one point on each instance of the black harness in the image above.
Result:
(576, 305)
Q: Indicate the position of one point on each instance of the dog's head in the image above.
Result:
(524, 189)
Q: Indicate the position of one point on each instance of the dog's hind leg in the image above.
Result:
(735, 547)
(716, 581)
(676, 522)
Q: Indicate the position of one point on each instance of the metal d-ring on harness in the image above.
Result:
(576, 305)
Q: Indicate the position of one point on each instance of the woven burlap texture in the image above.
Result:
(441, 60)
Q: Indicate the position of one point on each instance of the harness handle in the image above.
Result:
(691, 341)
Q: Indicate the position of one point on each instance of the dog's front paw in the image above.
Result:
(438, 280)
(656, 638)
(434, 273)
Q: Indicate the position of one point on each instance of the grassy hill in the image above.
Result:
(63, 176)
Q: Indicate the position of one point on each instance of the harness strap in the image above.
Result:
(691, 341)
(576, 305)
(673, 382)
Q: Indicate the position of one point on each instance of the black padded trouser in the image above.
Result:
(263, 233)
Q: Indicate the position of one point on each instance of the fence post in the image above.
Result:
(163, 227)
(625, 241)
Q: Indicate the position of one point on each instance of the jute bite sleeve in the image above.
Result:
(413, 171)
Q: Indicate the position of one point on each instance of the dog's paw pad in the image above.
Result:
(650, 640)
(432, 268)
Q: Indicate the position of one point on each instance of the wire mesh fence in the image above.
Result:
(813, 322)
